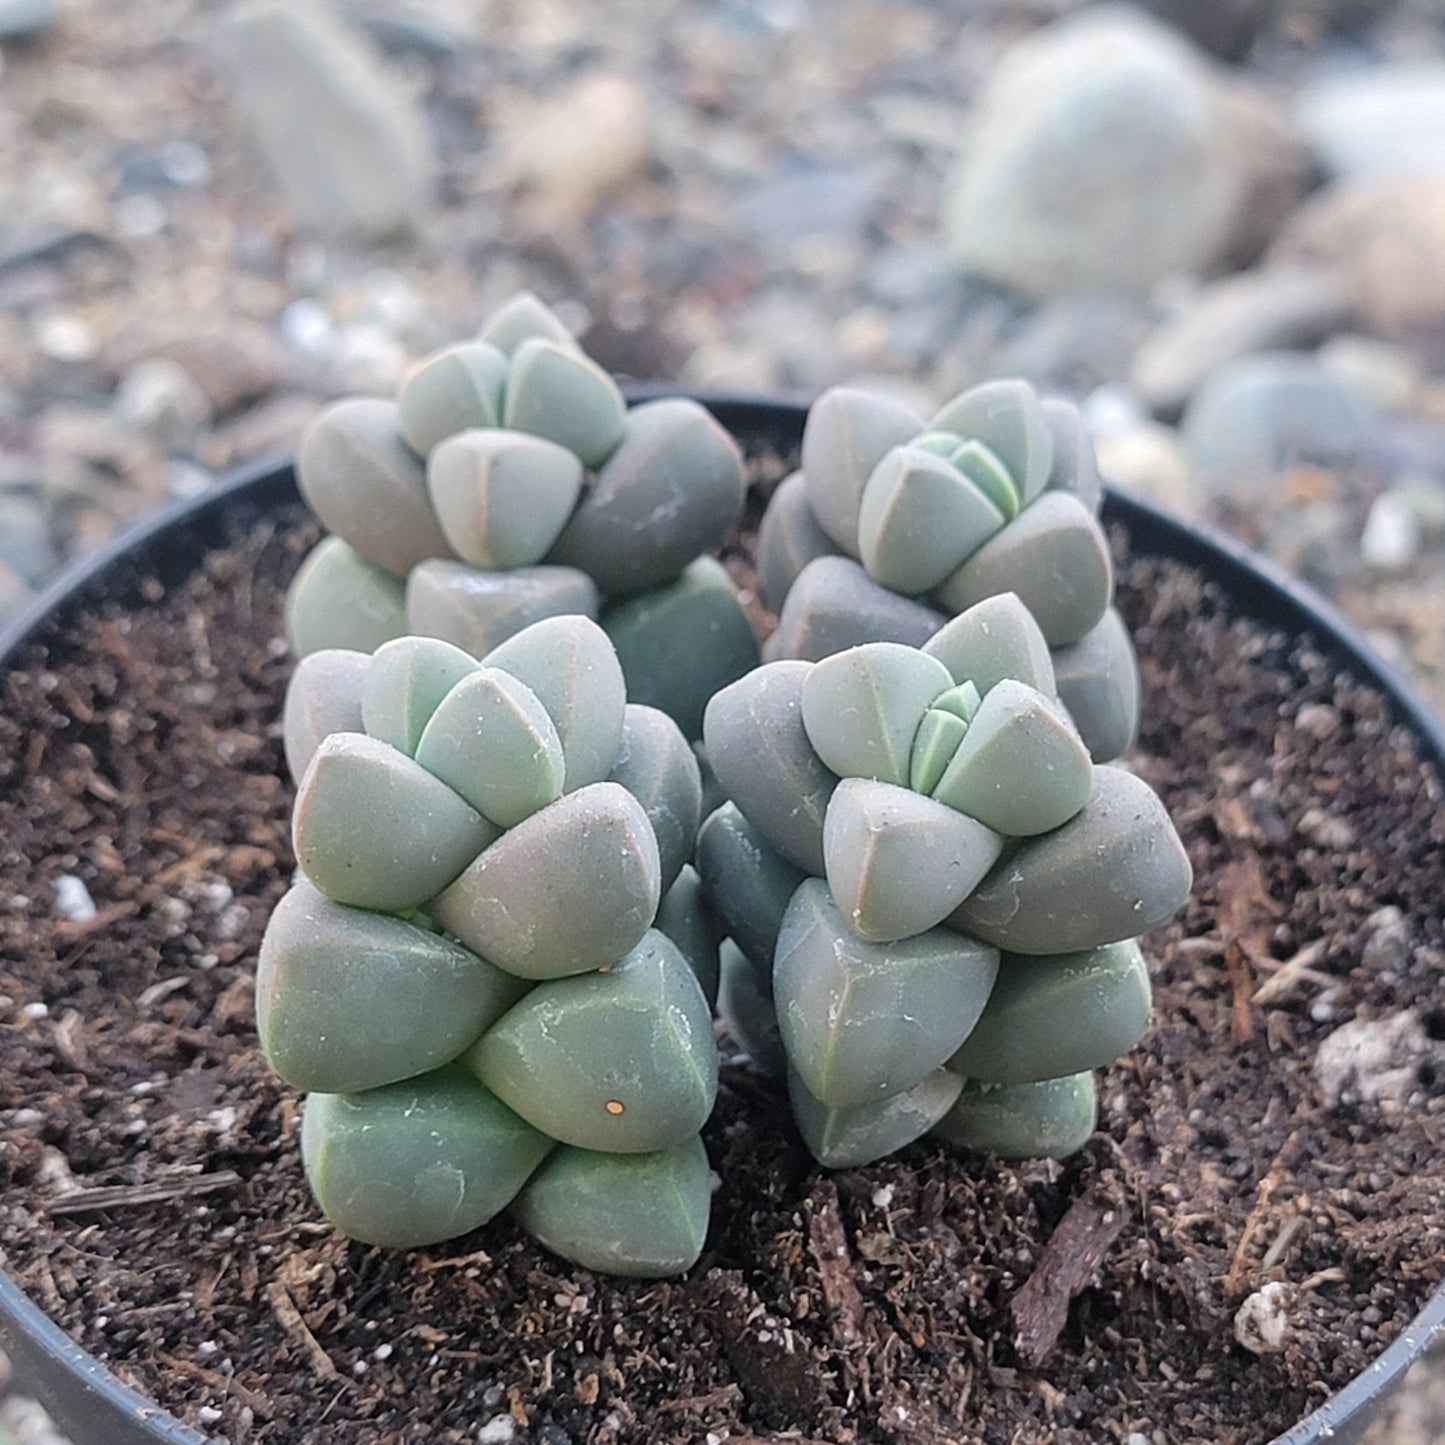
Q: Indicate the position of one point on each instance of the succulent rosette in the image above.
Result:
(894, 524)
(508, 482)
(471, 976)
(932, 892)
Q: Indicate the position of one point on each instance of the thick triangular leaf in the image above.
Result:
(453, 391)
(992, 640)
(491, 741)
(835, 604)
(1048, 1120)
(1098, 681)
(1052, 1016)
(1112, 872)
(502, 497)
(656, 765)
(681, 643)
(556, 392)
(762, 757)
(1055, 556)
(521, 319)
(1009, 419)
(898, 864)
(373, 828)
(478, 611)
(850, 1138)
(621, 1060)
(670, 492)
(638, 1215)
(418, 1161)
(570, 664)
(862, 708)
(748, 882)
(846, 435)
(405, 682)
(367, 486)
(862, 1021)
(569, 889)
(323, 697)
(340, 600)
(920, 519)
(789, 537)
(347, 999)
(1021, 769)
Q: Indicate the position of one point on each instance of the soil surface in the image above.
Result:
(152, 1200)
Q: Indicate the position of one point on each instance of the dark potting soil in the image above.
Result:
(152, 1200)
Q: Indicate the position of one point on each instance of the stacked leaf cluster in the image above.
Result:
(467, 977)
(931, 890)
(894, 524)
(508, 482)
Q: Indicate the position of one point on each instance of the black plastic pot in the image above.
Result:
(95, 1408)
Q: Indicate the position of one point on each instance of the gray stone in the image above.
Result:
(1147, 457)
(13, 592)
(784, 208)
(347, 145)
(570, 148)
(834, 604)
(1225, 27)
(1257, 417)
(1075, 343)
(1278, 307)
(1388, 120)
(1384, 236)
(1391, 540)
(1383, 373)
(27, 19)
(1102, 154)
(165, 404)
(26, 546)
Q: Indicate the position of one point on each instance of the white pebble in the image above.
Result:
(382, 1352)
(216, 895)
(883, 1196)
(140, 216)
(185, 163)
(36, 1010)
(497, 1431)
(306, 327)
(1372, 1061)
(1391, 540)
(63, 337)
(1262, 1321)
(72, 899)
(209, 1415)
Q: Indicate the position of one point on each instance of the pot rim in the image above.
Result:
(84, 1394)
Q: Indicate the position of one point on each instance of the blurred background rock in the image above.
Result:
(1220, 226)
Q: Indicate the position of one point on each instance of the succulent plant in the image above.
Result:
(931, 890)
(508, 482)
(894, 524)
(471, 977)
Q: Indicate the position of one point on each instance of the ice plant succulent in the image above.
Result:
(894, 524)
(508, 482)
(932, 891)
(470, 977)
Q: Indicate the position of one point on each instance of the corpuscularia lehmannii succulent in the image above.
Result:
(893, 524)
(508, 482)
(932, 893)
(493, 976)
